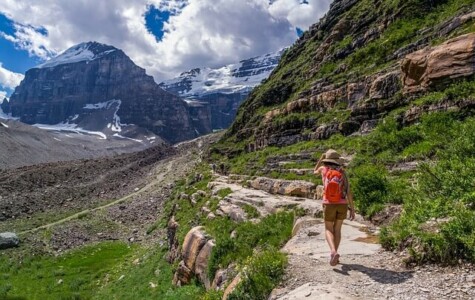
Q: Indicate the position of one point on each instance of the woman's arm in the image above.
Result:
(318, 167)
(351, 204)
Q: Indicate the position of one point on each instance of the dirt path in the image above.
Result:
(165, 172)
(160, 177)
(365, 271)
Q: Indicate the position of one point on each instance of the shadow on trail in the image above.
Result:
(379, 275)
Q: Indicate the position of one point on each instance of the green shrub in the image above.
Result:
(370, 187)
(273, 230)
(260, 274)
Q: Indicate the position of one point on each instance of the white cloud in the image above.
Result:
(300, 14)
(3, 96)
(9, 79)
(199, 33)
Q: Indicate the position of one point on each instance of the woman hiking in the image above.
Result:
(337, 199)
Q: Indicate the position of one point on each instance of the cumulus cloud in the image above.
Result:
(9, 79)
(300, 13)
(198, 32)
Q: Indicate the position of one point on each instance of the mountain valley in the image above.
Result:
(189, 214)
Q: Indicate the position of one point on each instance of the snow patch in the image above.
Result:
(124, 137)
(115, 126)
(70, 128)
(74, 54)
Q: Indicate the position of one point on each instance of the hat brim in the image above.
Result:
(332, 161)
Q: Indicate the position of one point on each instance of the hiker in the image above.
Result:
(337, 199)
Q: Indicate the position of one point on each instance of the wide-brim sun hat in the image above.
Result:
(333, 157)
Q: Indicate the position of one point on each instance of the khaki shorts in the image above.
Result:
(333, 212)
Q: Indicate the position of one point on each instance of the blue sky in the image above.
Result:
(166, 37)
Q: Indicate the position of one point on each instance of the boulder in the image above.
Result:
(233, 211)
(304, 222)
(219, 279)
(195, 239)
(172, 240)
(426, 68)
(201, 265)
(8, 240)
(297, 188)
(231, 287)
(182, 275)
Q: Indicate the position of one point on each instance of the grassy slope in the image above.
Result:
(441, 139)
(115, 270)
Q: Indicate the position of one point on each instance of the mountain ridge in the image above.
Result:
(224, 88)
(60, 90)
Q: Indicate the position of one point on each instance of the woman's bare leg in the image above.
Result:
(337, 233)
(330, 236)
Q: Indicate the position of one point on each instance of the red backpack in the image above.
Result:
(334, 185)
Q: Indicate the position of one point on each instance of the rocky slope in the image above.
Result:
(361, 61)
(97, 87)
(24, 145)
(223, 89)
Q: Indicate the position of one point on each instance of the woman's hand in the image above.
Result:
(352, 213)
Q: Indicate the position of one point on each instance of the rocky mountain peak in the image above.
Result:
(223, 88)
(81, 52)
(98, 88)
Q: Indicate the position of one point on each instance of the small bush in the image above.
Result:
(370, 187)
(261, 273)
(273, 230)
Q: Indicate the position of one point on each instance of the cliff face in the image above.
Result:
(84, 78)
(223, 89)
(362, 60)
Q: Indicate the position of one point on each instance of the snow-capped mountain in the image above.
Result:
(97, 88)
(82, 52)
(233, 78)
(223, 88)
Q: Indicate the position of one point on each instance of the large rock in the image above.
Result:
(201, 265)
(233, 211)
(172, 240)
(304, 222)
(297, 188)
(196, 252)
(232, 286)
(195, 239)
(8, 240)
(183, 275)
(426, 68)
